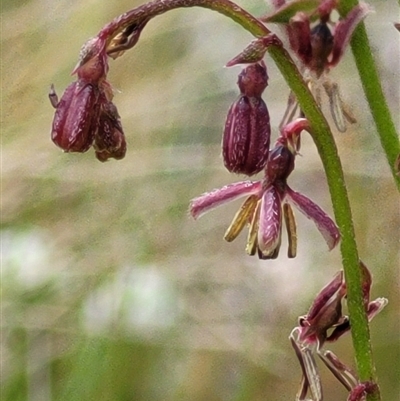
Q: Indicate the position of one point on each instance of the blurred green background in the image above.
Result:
(109, 290)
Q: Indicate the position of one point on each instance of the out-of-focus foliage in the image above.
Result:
(109, 290)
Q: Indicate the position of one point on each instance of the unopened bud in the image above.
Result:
(245, 143)
(75, 119)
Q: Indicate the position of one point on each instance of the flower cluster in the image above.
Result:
(323, 323)
(86, 115)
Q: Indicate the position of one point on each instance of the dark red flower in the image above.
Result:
(319, 46)
(325, 322)
(268, 202)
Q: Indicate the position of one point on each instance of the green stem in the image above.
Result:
(325, 144)
(327, 149)
(373, 91)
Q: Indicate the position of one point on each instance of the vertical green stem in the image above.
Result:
(326, 146)
(373, 90)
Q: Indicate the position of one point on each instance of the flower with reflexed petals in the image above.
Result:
(268, 202)
(319, 46)
(323, 323)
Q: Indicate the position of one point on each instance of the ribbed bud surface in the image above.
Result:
(245, 143)
(246, 139)
(75, 119)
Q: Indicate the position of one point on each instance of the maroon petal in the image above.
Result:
(324, 223)
(75, 119)
(344, 30)
(343, 373)
(299, 33)
(325, 314)
(218, 197)
(290, 134)
(270, 226)
(62, 109)
(325, 295)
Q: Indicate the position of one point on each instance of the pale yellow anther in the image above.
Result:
(243, 216)
(251, 246)
(290, 223)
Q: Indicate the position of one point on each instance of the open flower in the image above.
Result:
(319, 46)
(325, 322)
(268, 202)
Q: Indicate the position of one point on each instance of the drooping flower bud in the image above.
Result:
(109, 139)
(75, 119)
(246, 138)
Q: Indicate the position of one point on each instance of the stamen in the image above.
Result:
(290, 223)
(252, 242)
(243, 216)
